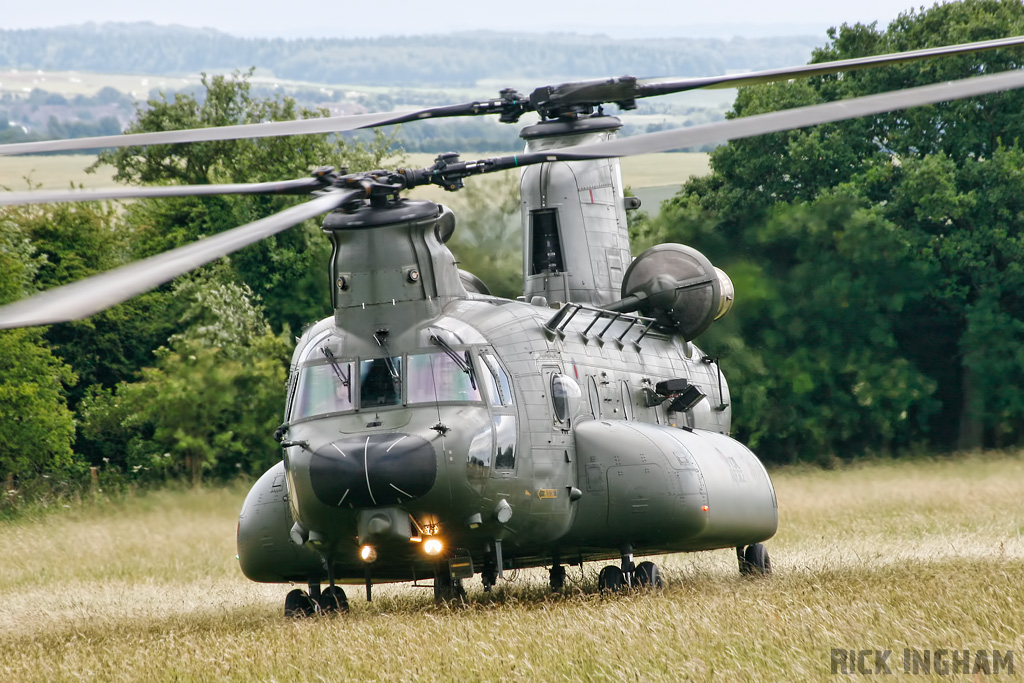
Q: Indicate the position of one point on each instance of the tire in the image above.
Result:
(333, 599)
(557, 578)
(648, 576)
(298, 604)
(610, 580)
(757, 561)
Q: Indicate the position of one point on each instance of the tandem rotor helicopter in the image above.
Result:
(433, 431)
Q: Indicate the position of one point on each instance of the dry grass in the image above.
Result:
(882, 556)
(56, 172)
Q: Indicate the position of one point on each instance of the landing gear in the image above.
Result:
(489, 576)
(298, 604)
(648, 576)
(446, 588)
(333, 599)
(628, 574)
(557, 577)
(754, 561)
(611, 579)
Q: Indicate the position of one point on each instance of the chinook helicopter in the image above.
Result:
(433, 431)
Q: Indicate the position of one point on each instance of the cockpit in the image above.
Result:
(325, 384)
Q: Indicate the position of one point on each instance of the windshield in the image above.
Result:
(437, 377)
(380, 382)
(321, 391)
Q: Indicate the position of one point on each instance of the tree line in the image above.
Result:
(878, 262)
(878, 265)
(459, 59)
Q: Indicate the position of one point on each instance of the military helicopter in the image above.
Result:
(434, 432)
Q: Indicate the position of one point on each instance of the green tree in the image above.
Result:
(210, 402)
(288, 271)
(488, 238)
(880, 257)
(36, 427)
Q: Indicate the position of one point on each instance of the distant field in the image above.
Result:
(926, 555)
(52, 172)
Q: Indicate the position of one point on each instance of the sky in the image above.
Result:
(339, 19)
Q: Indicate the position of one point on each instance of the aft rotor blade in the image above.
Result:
(331, 124)
(788, 119)
(652, 88)
(298, 186)
(93, 294)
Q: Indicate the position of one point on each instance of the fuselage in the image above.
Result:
(551, 441)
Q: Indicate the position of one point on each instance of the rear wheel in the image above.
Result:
(756, 560)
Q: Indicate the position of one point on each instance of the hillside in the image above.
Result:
(458, 59)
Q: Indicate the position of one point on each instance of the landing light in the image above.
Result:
(433, 546)
(368, 553)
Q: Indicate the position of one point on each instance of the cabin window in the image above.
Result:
(323, 388)
(505, 442)
(565, 397)
(380, 382)
(496, 381)
(434, 377)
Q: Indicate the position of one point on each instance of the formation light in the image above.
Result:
(433, 546)
(368, 553)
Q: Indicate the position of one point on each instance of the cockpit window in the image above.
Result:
(321, 390)
(496, 381)
(380, 382)
(437, 377)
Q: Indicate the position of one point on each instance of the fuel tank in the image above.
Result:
(660, 488)
(265, 551)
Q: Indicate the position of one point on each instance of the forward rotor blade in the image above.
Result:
(297, 186)
(789, 119)
(652, 88)
(93, 294)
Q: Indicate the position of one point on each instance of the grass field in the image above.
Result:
(885, 556)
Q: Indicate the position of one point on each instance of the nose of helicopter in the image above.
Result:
(374, 469)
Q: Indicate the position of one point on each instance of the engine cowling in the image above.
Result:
(678, 287)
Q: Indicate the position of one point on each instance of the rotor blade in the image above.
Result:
(788, 119)
(93, 294)
(331, 124)
(651, 88)
(297, 186)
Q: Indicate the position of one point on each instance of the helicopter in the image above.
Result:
(432, 431)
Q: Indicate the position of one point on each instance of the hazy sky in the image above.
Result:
(618, 18)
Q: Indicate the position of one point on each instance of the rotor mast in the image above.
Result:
(575, 236)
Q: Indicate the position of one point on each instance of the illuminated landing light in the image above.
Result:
(368, 553)
(705, 508)
(433, 546)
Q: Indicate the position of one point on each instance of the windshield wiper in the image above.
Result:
(337, 371)
(464, 363)
(381, 337)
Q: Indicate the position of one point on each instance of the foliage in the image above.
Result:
(211, 401)
(36, 427)
(287, 271)
(488, 238)
(879, 259)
